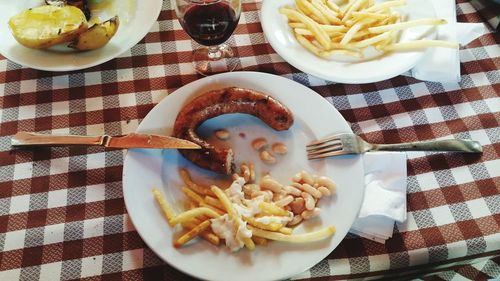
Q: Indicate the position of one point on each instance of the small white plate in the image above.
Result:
(345, 70)
(314, 117)
(136, 19)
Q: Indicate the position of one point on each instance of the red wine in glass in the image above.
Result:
(210, 24)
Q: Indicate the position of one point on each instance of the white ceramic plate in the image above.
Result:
(314, 117)
(345, 70)
(136, 18)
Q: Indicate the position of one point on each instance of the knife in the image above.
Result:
(126, 141)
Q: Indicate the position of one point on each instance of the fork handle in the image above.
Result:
(467, 146)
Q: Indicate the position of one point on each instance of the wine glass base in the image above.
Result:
(214, 59)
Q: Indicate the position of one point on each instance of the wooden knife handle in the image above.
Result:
(35, 139)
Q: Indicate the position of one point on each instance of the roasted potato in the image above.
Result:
(46, 26)
(97, 35)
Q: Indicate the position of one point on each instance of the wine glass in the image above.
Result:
(210, 23)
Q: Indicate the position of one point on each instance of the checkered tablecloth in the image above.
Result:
(62, 214)
(489, 10)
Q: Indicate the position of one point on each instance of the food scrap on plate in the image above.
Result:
(247, 213)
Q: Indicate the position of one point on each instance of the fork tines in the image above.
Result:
(325, 147)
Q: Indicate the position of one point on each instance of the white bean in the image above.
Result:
(249, 188)
(328, 183)
(296, 220)
(252, 172)
(259, 143)
(308, 214)
(285, 201)
(297, 178)
(222, 134)
(325, 191)
(309, 201)
(267, 157)
(298, 205)
(279, 196)
(245, 172)
(279, 148)
(292, 190)
(268, 195)
(296, 185)
(271, 184)
(311, 190)
(307, 178)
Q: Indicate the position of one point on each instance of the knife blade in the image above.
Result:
(133, 140)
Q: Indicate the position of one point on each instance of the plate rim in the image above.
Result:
(156, 5)
(218, 78)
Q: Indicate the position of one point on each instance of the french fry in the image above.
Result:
(259, 241)
(315, 11)
(286, 230)
(191, 234)
(201, 190)
(270, 227)
(333, 28)
(302, 9)
(350, 34)
(249, 244)
(420, 44)
(362, 15)
(307, 32)
(167, 211)
(213, 202)
(307, 44)
(404, 25)
(272, 209)
(187, 215)
(192, 195)
(319, 33)
(231, 213)
(206, 234)
(294, 238)
(225, 201)
(330, 15)
(327, 28)
(370, 41)
(217, 210)
(385, 5)
(333, 6)
(356, 4)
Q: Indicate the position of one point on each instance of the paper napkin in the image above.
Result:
(443, 64)
(384, 200)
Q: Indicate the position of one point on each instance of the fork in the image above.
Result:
(353, 144)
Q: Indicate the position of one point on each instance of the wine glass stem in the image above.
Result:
(214, 53)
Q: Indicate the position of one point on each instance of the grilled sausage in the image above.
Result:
(223, 101)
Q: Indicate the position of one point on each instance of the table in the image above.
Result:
(62, 214)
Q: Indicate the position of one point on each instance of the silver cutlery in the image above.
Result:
(126, 141)
(352, 144)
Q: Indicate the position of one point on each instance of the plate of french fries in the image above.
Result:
(352, 41)
(271, 220)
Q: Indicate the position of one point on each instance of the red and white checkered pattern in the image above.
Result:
(62, 214)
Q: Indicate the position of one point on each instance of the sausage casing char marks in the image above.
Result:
(219, 102)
